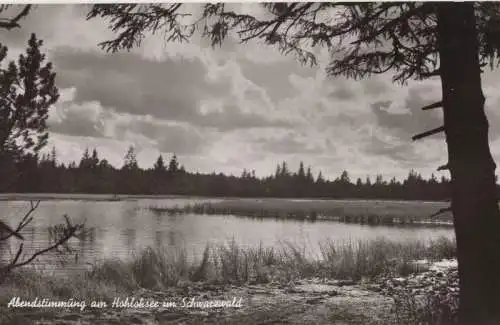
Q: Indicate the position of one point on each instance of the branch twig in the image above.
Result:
(428, 133)
(14, 22)
(443, 167)
(10, 232)
(23, 223)
(434, 105)
(65, 232)
(69, 232)
(434, 73)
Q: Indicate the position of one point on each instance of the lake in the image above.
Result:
(118, 229)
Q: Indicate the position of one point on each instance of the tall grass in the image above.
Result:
(437, 307)
(378, 257)
(231, 263)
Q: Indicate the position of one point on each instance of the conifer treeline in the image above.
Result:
(92, 174)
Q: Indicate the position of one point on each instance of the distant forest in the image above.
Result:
(43, 174)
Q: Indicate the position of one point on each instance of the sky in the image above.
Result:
(231, 108)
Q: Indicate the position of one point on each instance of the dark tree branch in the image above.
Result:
(434, 73)
(14, 22)
(428, 133)
(443, 167)
(64, 233)
(434, 105)
(405, 15)
(10, 232)
(69, 231)
(23, 223)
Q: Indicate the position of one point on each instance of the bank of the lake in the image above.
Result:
(349, 283)
(81, 197)
(108, 197)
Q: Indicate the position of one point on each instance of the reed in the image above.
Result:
(230, 263)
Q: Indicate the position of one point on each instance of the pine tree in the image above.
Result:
(27, 90)
(320, 179)
(104, 164)
(277, 174)
(344, 177)
(130, 161)
(309, 175)
(173, 165)
(53, 157)
(284, 169)
(85, 160)
(301, 174)
(159, 165)
(94, 160)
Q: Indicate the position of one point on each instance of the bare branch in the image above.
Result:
(434, 105)
(23, 223)
(10, 232)
(443, 167)
(14, 22)
(69, 231)
(18, 254)
(65, 232)
(428, 133)
(434, 73)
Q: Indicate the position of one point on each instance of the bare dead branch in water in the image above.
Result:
(23, 223)
(62, 234)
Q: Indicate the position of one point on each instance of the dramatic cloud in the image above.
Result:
(132, 84)
(290, 144)
(274, 77)
(405, 118)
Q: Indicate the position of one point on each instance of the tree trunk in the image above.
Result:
(474, 195)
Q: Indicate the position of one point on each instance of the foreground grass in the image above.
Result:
(370, 212)
(439, 307)
(229, 264)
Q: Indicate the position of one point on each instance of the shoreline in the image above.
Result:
(305, 300)
(123, 197)
(356, 211)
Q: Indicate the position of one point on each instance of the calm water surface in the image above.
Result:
(121, 228)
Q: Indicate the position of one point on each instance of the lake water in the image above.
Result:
(118, 229)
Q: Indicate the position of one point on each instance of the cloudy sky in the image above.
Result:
(231, 108)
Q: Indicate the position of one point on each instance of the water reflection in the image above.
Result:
(118, 228)
(129, 237)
